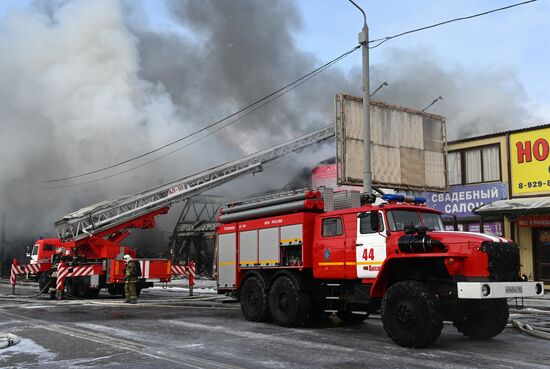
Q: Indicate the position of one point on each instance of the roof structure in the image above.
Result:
(524, 206)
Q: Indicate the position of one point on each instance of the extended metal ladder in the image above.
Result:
(104, 215)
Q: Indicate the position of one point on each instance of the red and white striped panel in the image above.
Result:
(15, 270)
(145, 266)
(32, 268)
(18, 269)
(179, 270)
(62, 273)
(191, 270)
(22, 269)
(81, 271)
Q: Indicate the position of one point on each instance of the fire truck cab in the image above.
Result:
(395, 258)
(44, 249)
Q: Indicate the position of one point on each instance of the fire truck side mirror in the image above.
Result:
(374, 221)
(28, 251)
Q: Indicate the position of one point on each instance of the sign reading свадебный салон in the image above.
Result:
(461, 200)
(530, 162)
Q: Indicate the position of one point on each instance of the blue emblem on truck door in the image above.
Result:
(327, 254)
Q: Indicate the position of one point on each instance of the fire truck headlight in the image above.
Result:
(485, 290)
(538, 289)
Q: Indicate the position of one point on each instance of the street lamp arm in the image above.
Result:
(361, 10)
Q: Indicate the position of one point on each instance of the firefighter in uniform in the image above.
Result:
(130, 280)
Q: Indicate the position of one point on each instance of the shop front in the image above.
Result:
(530, 218)
(539, 227)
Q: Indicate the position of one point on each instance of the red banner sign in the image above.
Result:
(534, 221)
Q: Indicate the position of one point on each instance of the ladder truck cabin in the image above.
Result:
(291, 262)
(88, 250)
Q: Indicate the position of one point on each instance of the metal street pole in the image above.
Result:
(364, 42)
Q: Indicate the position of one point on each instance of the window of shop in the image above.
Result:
(491, 228)
(542, 254)
(474, 165)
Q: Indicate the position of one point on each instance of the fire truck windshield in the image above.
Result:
(398, 219)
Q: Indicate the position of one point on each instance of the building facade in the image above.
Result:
(512, 170)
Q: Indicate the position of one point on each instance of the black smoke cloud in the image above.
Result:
(89, 83)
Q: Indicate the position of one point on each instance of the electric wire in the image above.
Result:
(277, 93)
(382, 40)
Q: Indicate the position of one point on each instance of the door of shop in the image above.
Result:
(541, 237)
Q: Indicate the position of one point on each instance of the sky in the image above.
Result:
(89, 83)
(515, 39)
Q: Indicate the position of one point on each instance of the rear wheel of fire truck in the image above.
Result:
(482, 320)
(115, 289)
(411, 314)
(254, 299)
(76, 287)
(289, 306)
(92, 293)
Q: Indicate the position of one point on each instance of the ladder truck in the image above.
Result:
(88, 255)
(296, 257)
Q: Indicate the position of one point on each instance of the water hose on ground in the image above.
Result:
(27, 297)
(8, 339)
(538, 332)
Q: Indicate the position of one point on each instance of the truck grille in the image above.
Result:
(503, 260)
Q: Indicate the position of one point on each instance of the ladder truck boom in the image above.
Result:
(98, 218)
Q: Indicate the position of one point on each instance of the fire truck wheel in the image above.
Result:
(76, 287)
(288, 305)
(115, 289)
(92, 293)
(482, 320)
(411, 314)
(81, 288)
(254, 299)
(70, 287)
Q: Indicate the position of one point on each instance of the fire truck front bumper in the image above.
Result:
(497, 290)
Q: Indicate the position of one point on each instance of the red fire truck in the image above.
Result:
(290, 262)
(95, 262)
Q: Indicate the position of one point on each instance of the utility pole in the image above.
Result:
(2, 254)
(364, 42)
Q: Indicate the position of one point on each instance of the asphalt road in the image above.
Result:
(168, 330)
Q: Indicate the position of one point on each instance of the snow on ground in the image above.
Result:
(202, 286)
(27, 347)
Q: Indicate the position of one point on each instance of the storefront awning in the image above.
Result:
(528, 206)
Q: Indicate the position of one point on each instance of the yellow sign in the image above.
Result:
(530, 162)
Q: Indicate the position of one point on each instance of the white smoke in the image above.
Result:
(71, 100)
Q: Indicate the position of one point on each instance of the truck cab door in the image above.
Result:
(34, 254)
(370, 248)
(329, 249)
